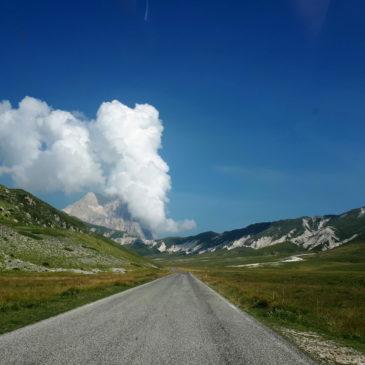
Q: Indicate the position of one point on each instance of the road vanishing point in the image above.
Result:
(173, 320)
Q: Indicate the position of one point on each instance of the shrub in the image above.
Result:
(260, 303)
(71, 292)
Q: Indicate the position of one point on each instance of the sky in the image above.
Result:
(261, 102)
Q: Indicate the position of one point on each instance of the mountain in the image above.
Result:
(109, 216)
(309, 233)
(34, 236)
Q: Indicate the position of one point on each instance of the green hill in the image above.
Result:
(34, 236)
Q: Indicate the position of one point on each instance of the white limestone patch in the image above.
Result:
(325, 351)
(237, 243)
(323, 235)
(293, 259)
(296, 258)
(126, 240)
(188, 248)
(266, 241)
(152, 243)
(212, 249)
(162, 247)
(248, 265)
(349, 239)
(118, 270)
(323, 222)
(263, 242)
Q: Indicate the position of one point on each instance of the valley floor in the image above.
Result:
(173, 320)
(26, 298)
(315, 301)
(323, 294)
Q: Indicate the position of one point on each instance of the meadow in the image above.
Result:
(26, 298)
(325, 293)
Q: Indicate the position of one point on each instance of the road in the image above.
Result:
(173, 320)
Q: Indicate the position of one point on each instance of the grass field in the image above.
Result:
(29, 297)
(325, 293)
(51, 262)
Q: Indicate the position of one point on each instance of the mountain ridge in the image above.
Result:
(111, 213)
(313, 233)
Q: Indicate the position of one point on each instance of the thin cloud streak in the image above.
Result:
(146, 13)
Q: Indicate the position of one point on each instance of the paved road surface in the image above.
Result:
(173, 320)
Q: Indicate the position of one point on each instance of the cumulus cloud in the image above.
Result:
(117, 154)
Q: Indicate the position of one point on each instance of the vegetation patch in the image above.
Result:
(324, 293)
(26, 298)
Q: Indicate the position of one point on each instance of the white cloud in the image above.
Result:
(116, 154)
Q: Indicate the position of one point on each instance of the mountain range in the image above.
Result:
(309, 233)
(112, 219)
(23, 217)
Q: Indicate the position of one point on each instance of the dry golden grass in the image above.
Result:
(24, 287)
(330, 302)
(29, 297)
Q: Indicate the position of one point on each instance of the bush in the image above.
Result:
(260, 303)
(71, 292)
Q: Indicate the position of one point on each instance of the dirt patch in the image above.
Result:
(325, 351)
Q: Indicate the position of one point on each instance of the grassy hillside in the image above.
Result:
(20, 207)
(45, 256)
(36, 237)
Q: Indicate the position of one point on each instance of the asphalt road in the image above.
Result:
(173, 320)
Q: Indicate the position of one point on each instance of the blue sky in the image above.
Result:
(262, 101)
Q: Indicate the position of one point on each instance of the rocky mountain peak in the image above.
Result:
(110, 212)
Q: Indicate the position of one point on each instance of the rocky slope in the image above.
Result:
(111, 213)
(310, 233)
